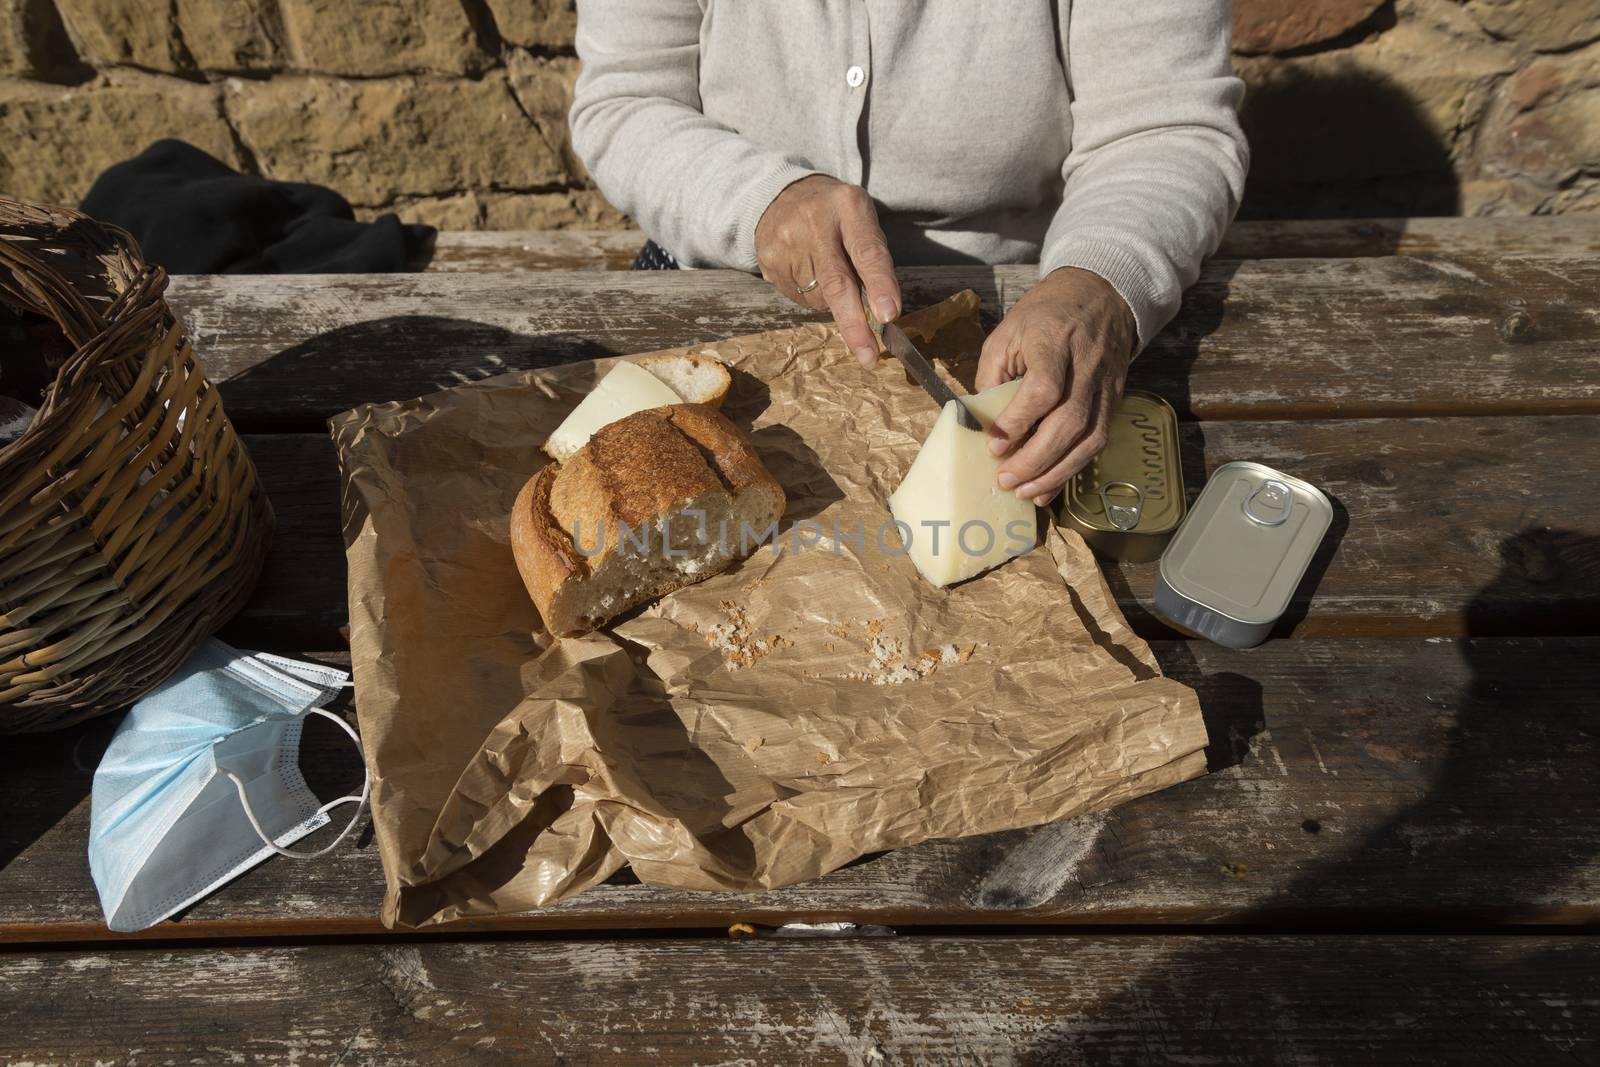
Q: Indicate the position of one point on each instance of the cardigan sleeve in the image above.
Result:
(1158, 161)
(697, 187)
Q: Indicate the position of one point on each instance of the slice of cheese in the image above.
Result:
(961, 523)
(626, 389)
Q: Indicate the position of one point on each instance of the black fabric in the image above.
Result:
(653, 257)
(193, 214)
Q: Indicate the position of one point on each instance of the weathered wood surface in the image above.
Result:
(503, 250)
(512, 250)
(1260, 339)
(1404, 784)
(1442, 527)
(933, 1000)
(1335, 238)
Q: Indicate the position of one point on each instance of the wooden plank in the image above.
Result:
(1256, 339)
(1443, 527)
(1408, 784)
(917, 1000)
(1454, 237)
(523, 250)
(502, 250)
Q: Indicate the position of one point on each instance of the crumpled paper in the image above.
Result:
(766, 726)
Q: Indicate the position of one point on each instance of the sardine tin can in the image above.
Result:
(1128, 502)
(1234, 564)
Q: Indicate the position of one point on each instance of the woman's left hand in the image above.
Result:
(1070, 338)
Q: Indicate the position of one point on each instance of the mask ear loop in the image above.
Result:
(360, 800)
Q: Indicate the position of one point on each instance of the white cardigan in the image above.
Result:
(1100, 134)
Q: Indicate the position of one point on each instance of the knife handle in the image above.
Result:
(872, 317)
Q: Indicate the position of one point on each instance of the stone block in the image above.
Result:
(382, 37)
(543, 86)
(540, 24)
(1261, 26)
(116, 33)
(1538, 143)
(58, 139)
(376, 140)
(34, 44)
(579, 208)
(232, 35)
(1540, 25)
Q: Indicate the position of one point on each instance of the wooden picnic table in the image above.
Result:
(1395, 855)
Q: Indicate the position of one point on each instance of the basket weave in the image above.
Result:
(132, 525)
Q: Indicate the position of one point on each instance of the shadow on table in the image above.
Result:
(1300, 604)
(43, 777)
(1528, 725)
(372, 362)
(1167, 363)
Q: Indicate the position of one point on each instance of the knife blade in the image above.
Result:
(921, 371)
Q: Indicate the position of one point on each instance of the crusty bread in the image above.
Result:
(698, 379)
(590, 535)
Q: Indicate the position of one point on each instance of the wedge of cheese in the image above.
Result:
(626, 389)
(960, 522)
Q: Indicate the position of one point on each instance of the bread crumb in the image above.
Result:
(822, 759)
(751, 746)
(735, 640)
(887, 663)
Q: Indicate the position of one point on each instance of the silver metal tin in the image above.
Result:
(1233, 566)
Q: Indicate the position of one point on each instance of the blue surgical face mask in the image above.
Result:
(201, 782)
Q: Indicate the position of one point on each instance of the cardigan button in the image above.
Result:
(854, 77)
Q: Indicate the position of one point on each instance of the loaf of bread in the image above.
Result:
(697, 379)
(658, 500)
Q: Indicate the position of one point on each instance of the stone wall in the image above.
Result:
(1437, 107)
(453, 111)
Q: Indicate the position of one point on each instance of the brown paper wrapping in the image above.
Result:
(763, 727)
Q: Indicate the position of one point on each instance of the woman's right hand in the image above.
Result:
(824, 230)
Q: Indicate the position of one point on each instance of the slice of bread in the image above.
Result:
(697, 379)
(621, 522)
(639, 385)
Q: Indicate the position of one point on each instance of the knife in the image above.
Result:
(917, 365)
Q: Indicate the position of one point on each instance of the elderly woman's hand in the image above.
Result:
(1070, 338)
(819, 243)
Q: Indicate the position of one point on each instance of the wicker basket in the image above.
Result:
(132, 525)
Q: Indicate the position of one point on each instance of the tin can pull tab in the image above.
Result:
(1270, 503)
(1122, 516)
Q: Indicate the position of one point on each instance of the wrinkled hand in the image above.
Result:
(824, 229)
(1070, 338)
